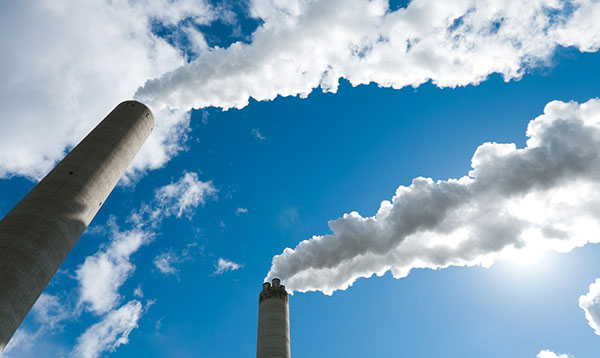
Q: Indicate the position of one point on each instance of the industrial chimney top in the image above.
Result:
(276, 290)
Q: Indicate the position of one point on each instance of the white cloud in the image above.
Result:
(168, 261)
(50, 312)
(549, 354)
(137, 292)
(102, 274)
(590, 303)
(224, 266)
(21, 341)
(514, 204)
(256, 133)
(304, 44)
(184, 196)
(240, 211)
(63, 75)
(165, 262)
(110, 333)
(289, 217)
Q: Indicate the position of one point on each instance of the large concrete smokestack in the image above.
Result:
(273, 322)
(40, 231)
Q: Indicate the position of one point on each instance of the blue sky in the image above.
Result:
(215, 195)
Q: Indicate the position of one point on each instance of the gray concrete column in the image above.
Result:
(38, 233)
(273, 322)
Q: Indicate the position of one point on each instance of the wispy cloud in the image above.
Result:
(289, 217)
(513, 204)
(240, 211)
(110, 333)
(50, 312)
(21, 341)
(164, 263)
(167, 262)
(224, 266)
(101, 275)
(137, 292)
(256, 133)
(183, 196)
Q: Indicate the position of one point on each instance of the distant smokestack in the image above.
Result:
(273, 322)
(38, 233)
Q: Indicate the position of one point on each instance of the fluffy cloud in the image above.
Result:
(590, 303)
(63, 75)
(550, 354)
(224, 265)
(111, 332)
(304, 44)
(102, 274)
(514, 203)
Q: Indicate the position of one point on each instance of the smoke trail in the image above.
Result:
(304, 44)
(513, 202)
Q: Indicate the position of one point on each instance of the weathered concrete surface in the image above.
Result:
(40, 231)
(273, 322)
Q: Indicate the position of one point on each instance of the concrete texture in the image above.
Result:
(273, 322)
(40, 231)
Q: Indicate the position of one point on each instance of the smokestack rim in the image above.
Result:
(134, 103)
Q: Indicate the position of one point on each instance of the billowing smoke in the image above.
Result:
(83, 57)
(304, 44)
(513, 203)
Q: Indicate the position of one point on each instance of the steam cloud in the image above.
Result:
(514, 202)
(304, 44)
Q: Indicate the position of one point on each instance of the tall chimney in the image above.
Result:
(40, 231)
(273, 322)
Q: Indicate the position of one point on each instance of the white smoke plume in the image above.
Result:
(514, 202)
(304, 44)
(81, 58)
